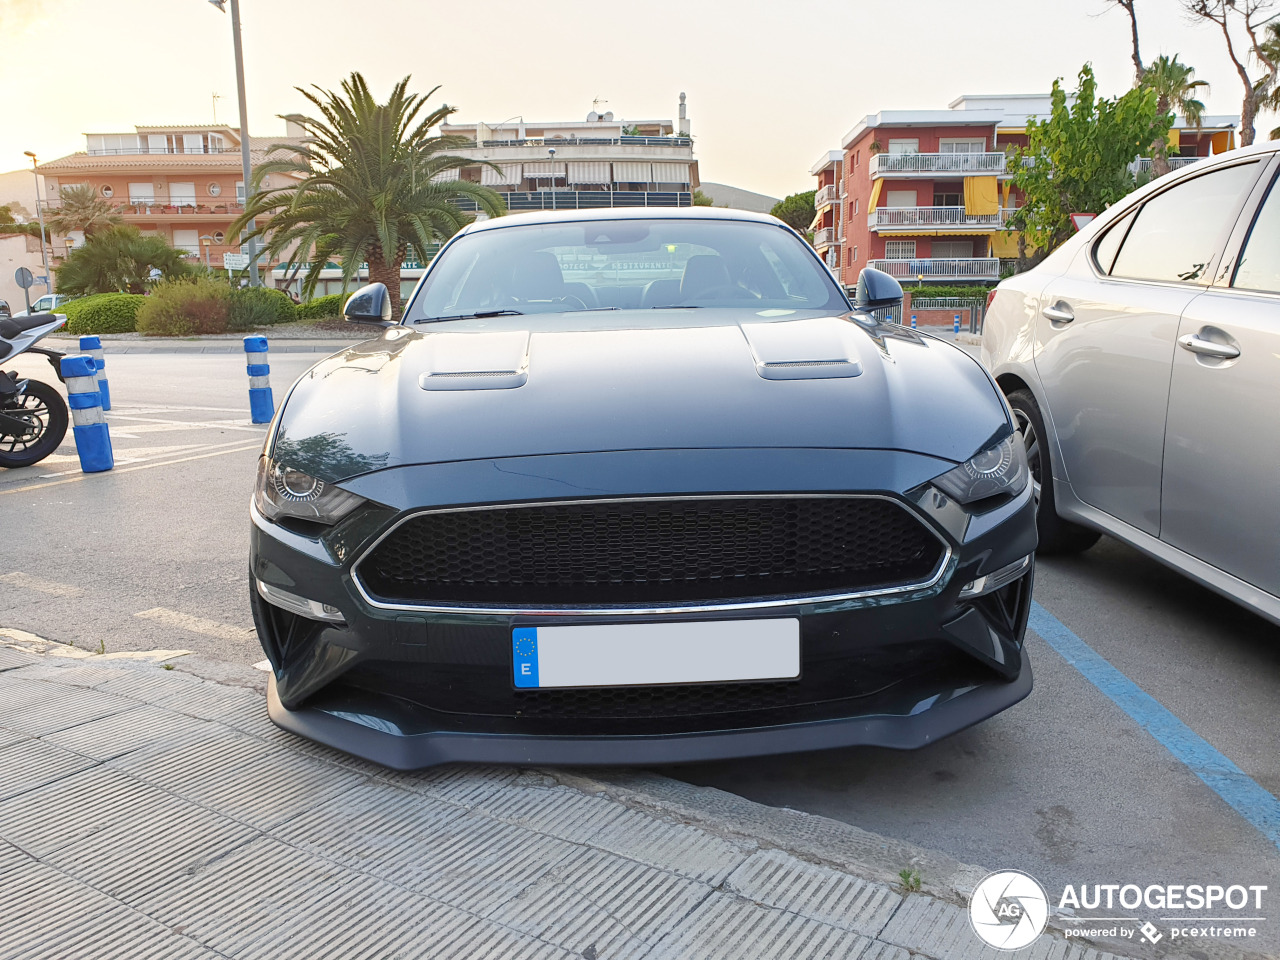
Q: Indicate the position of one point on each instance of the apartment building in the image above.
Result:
(926, 194)
(828, 202)
(182, 183)
(598, 162)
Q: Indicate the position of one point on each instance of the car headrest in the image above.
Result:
(703, 274)
(537, 276)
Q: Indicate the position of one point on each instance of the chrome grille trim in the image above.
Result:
(606, 610)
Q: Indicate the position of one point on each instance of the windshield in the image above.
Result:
(625, 265)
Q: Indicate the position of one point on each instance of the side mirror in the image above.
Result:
(876, 289)
(369, 304)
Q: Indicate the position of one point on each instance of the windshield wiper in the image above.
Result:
(677, 306)
(481, 315)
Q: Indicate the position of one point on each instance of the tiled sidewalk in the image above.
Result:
(150, 813)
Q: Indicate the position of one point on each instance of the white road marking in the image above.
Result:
(187, 621)
(142, 466)
(263, 665)
(20, 579)
(156, 425)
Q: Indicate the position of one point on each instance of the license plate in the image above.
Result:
(648, 654)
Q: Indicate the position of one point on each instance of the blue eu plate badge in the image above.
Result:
(524, 649)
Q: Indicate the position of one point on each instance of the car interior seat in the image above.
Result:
(703, 275)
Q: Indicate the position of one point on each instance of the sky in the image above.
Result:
(771, 85)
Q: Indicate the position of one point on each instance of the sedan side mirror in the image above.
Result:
(876, 289)
(369, 304)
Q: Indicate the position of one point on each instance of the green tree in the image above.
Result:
(1077, 160)
(118, 259)
(700, 199)
(1271, 91)
(82, 209)
(1175, 91)
(796, 211)
(366, 183)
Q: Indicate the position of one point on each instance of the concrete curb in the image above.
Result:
(213, 834)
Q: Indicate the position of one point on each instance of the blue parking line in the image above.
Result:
(1217, 772)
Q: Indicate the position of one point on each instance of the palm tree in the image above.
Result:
(118, 259)
(82, 209)
(1175, 92)
(367, 181)
(1270, 100)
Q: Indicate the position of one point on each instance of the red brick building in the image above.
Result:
(926, 194)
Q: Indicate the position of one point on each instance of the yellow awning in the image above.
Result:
(875, 196)
(1005, 244)
(981, 196)
(1223, 141)
(1004, 198)
(1174, 138)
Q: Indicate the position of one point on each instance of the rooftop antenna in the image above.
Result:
(595, 104)
(216, 98)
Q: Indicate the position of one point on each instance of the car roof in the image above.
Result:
(622, 213)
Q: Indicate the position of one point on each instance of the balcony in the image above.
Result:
(165, 206)
(968, 268)
(824, 237)
(157, 151)
(935, 217)
(933, 164)
(586, 199)
(827, 195)
(1143, 164)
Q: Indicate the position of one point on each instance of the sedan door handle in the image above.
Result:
(1208, 348)
(1059, 312)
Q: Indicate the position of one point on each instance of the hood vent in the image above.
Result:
(819, 349)
(475, 361)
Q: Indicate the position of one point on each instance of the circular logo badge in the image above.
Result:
(1008, 910)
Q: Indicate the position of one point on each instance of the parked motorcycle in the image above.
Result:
(33, 415)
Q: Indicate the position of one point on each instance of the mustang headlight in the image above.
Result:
(999, 469)
(284, 491)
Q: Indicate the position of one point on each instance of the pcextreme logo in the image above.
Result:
(1008, 910)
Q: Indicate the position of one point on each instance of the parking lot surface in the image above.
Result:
(1066, 786)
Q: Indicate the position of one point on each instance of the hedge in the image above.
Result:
(938, 290)
(258, 307)
(321, 307)
(103, 313)
(178, 308)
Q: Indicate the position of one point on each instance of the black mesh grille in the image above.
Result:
(647, 552)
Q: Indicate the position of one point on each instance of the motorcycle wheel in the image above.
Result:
(45, 413)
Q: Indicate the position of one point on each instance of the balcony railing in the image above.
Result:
(1143, 164)
(883, 164)
(828, 194)
(161, 206)
(587, 199)
(824, 237)
(138, 151)
(934, 217)
(967, 268)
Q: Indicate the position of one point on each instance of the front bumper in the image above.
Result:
(411, 688)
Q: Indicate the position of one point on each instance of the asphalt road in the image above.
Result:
(1065, 786)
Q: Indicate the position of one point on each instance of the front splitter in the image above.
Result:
(367, 737)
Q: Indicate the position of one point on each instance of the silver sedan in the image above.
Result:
(1142, 363)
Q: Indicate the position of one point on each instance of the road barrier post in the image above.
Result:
(956, 328)
(261, 405)
(93, 347)
(913, 321)
(89, 426)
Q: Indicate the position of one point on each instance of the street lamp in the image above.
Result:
(44, 254)
(244, 129)
(205, 240)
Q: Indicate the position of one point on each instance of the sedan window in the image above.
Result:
(1259, 267)
(1178, 232)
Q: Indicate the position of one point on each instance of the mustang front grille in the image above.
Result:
(650, 552)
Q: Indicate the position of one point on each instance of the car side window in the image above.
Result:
(1104, 253)
(1259, 267)
(1178, 232)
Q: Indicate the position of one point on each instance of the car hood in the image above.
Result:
(487, 390)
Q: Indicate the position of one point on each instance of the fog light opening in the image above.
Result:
(311, 609)
(992, 582)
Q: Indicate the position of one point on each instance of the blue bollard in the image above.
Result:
(93, 347)
(913, 321)
(261, 405)
(93, 440)
(956, 329)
